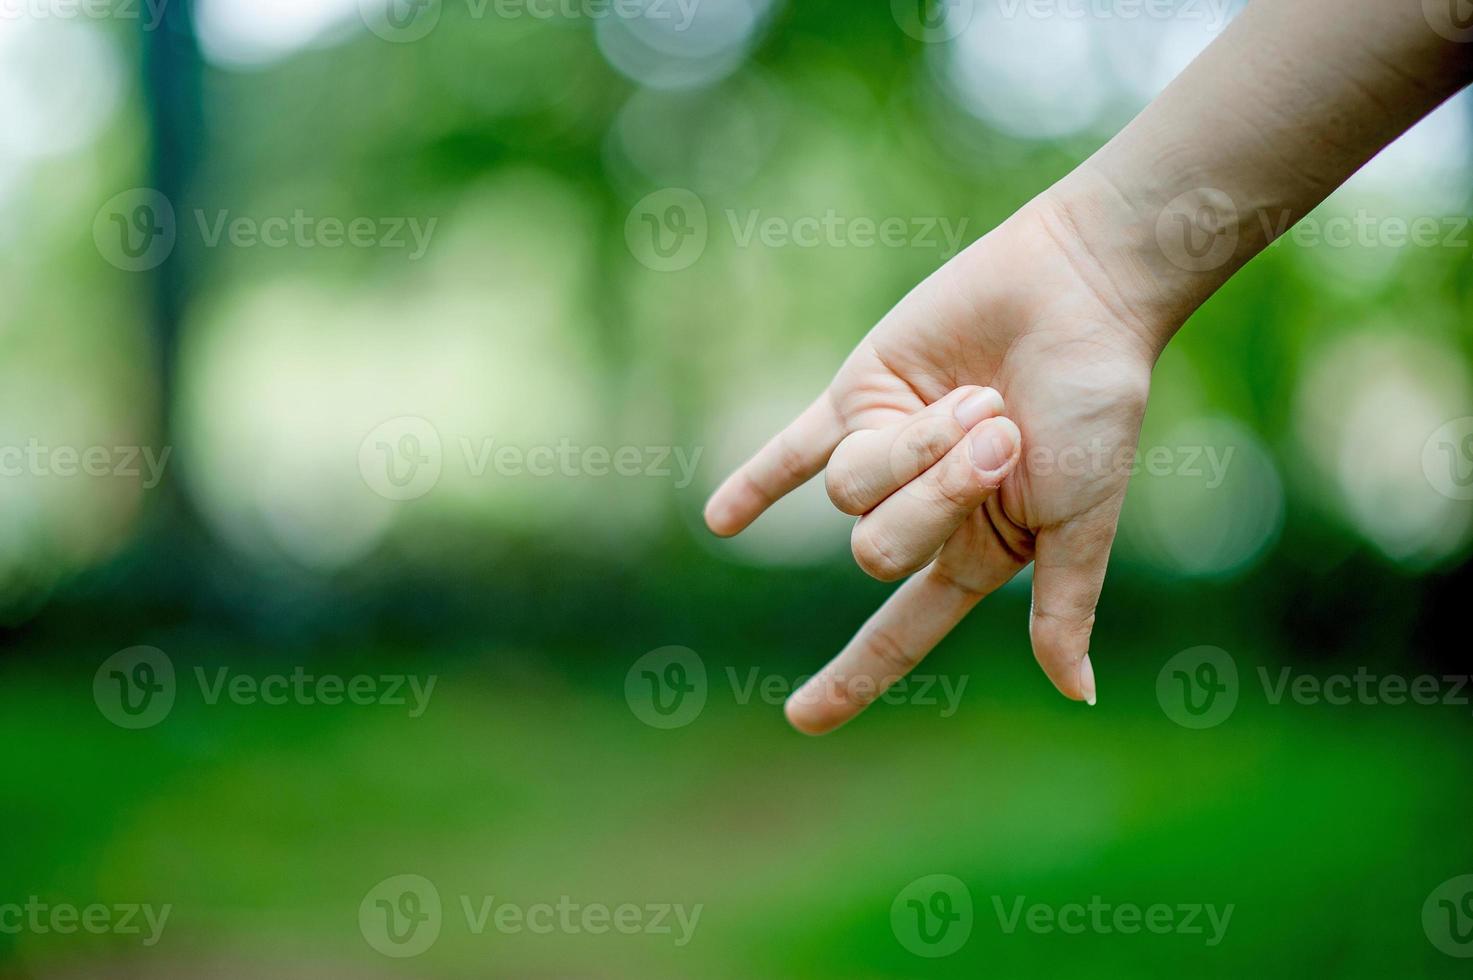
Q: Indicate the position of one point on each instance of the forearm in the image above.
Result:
(1291, 100)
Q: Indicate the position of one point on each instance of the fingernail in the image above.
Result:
(977, 406)
(993, 445)
(1087, 680)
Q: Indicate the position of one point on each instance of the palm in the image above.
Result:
(1074, 378)
(1013, 312)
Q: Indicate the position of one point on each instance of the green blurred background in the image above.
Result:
(525, 140)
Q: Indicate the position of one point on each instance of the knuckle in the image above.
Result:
(845, 490)
(957, 489)
(844, 695)
(897, 658)
(787, 460)
(922, 444)
(1061, 637)
(874, 556)
(928, 443)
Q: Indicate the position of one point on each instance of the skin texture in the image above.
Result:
(1063, 310)
(1014, 313)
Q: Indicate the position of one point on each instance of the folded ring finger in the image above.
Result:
(871, 464)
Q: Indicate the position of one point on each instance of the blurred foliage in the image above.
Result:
(529, 321)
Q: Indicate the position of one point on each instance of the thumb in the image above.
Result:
(1068, 574)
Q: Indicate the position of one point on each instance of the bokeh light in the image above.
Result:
(255, 33)
(673, 46)
(1207, 500)
(1365, 407)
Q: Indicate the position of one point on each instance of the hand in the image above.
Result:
(1027, 311)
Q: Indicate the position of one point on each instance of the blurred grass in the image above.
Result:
(1325, 827)
(529, 778)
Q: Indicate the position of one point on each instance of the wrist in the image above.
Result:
(1162, 251)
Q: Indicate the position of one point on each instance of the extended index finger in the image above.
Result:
(915, 618)
(789, 460)
(896, 638)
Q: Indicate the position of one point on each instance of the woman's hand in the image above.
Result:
(1064, 308)
(1025, 311)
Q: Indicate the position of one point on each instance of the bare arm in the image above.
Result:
(1063, 310)
(1292, 99)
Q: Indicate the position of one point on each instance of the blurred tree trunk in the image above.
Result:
(174, 549)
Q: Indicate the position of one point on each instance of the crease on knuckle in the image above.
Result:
(957, 489)
(897, 658)
(846, 491)
(788, 460)
(844, 696)
(928, 442)
(872, 554)
(1061, 637)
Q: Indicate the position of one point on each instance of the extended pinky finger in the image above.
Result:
(789, 460)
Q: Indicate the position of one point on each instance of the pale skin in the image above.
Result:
(942, 429)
